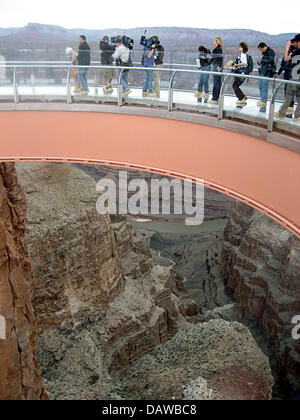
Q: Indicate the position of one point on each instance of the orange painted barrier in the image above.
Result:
(264, 175)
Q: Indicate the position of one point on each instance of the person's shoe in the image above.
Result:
(279, 116)
(297, 120)
(199, 100)
(77, 90)
(263, 110)
(241, 104)
(144, 94)
(212, 102)
(84, 92)
(205, 96)
(198, 95)
(157, 94)
(127, 92)
(151, 95)
(261, 104)
(290, 110)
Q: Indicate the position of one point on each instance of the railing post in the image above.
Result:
(171, 91)
(221, 99)
(272, 108)
(69, 96)
(120, 99)
(15, 85)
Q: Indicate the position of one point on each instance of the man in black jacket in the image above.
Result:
(106, 58)
(84, 59)
(267, 69)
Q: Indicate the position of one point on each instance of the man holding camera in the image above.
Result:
(148, 61)
(106, 58)
(158, 61)
(292, 90)
(122, 57)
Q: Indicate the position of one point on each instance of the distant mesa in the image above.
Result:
(170, 36)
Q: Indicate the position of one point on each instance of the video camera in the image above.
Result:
(125, 40)
(150, 41)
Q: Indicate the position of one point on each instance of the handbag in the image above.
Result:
(73, 72)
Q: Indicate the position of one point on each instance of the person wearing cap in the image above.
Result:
(122, 57)
(73, 72)
(106, 59)
(292, 90)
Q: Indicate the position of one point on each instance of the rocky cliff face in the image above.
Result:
(99, 299)
(20, 377)
(260, 264)
(215, 360)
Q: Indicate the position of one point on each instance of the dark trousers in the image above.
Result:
(237, 90)
(287, 76)
(217, 82)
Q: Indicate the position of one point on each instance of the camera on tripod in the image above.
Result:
(148, 42)
(125, 40)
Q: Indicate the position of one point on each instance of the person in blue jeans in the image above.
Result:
(267, 69)
(148, 61)
(84, 59)
(203, 62)
(123, 59)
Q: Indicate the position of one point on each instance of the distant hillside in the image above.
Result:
(169, 36)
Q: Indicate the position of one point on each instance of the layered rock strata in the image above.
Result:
(215, 360)
(20, 376)
(260, 263)
(100, 301)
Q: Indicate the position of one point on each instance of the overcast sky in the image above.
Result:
(272, 16)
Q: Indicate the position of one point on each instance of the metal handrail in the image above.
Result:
(228, 75)
(272, 107)
(99, 67)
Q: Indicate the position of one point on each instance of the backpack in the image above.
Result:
(250, 66)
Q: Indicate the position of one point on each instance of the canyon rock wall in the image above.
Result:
(260, 263)
(20, 376)
(215, 360)
(100, 301)
(216, 205)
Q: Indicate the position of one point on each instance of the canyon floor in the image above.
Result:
(130, 310)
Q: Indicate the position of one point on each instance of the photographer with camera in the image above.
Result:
(267, 68)
(158, 62)
(286, 68)
(123, 59)
(148, 61)
(292, 90)
(106, 59)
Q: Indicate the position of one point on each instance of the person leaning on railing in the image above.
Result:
(204, 64)
(73, 71)
(84, 59)
(292, 89)
(217, 63)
